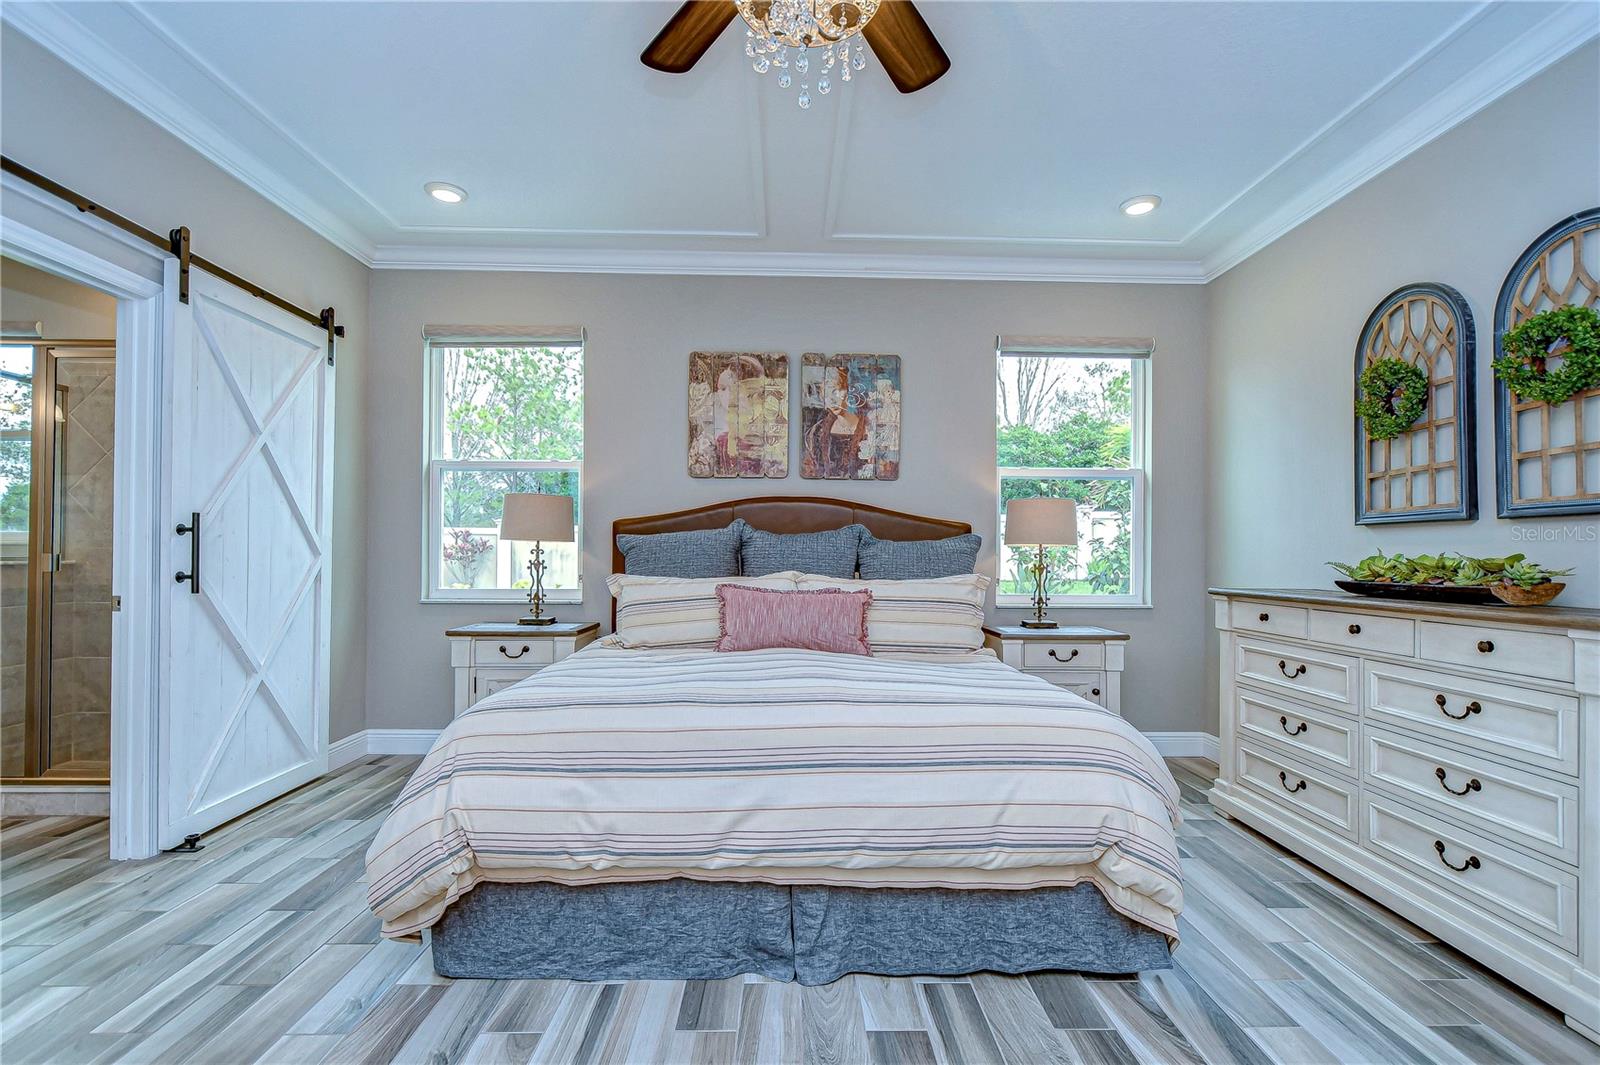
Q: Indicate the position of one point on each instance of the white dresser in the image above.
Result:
(1084, 659)
(492, 655)
(1445, 760)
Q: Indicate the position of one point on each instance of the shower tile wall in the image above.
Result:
(80, 697)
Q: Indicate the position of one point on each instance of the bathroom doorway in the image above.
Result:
(57, 440)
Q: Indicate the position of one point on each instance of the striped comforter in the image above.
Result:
(789, 767)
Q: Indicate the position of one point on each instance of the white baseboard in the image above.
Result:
(380, 741)
(419, 740)
(1186, 744)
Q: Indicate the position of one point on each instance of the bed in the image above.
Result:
(689, 814)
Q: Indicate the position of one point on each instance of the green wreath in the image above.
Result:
(1573, 334)
(1392, 396)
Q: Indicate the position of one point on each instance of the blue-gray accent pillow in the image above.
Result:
(697, 553)
(828, 554)
(917, 560)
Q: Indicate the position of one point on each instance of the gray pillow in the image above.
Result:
(917, 560)
(698, 553)
(828, 554)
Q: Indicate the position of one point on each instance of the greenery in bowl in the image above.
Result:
(1449, 568)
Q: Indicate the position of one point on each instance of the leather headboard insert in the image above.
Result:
(788, 514)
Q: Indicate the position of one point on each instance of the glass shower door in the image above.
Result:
(16, 479)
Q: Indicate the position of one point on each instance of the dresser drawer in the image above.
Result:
(512, 651)
(1276, 618)
(1303, 670)
(1321, 733)
(1510, 887)
(1545, 655)
(1364, 632)
(1063, 654)
(1537, 727)
(1523, 808)
(1293, 785)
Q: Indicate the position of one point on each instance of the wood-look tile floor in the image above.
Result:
(260, 948)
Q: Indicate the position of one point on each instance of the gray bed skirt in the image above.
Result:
(696, 930)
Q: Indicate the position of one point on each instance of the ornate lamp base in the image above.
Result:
(536, 614)
(529, 619)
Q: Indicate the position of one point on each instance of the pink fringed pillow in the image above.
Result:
(826, 619)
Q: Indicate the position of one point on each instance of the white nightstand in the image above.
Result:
(492, 655)
(1084, 659)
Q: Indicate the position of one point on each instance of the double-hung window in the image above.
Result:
(1072, 421)
(504, 413)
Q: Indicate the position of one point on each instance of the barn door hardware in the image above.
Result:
(191, 530)
(180, 251)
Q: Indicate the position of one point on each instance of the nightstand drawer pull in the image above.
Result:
(1283, 723)
(1094, 691)
(1355, 630)
(1473, 707)
(1472, 785)
(1283, 778)
(1485, 647)
(1283, 667)
(1471, 862)
(519, 654)
(1058, 658)
(1263, 616)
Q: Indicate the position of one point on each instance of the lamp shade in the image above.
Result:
(532, 516)
(1047, 522)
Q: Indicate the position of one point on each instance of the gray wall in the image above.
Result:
(68, 310)
(1285, 322)
(60, 124)
(641, 330)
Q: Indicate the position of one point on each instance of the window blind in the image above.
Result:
(1118, 347)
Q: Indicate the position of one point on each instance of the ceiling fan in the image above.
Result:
(901, 40)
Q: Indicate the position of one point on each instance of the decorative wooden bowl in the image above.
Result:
(1538, 595)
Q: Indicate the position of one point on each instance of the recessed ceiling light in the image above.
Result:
(1140, 205)
(445, 192)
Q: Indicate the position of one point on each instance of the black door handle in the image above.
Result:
(191, 530)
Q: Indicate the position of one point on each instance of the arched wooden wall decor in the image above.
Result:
(1428, 473)
(1547, 459)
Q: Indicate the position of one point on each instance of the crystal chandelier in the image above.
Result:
(783, 34)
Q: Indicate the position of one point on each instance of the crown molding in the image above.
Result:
(52, 27)
(1542, 46)
(790, 264)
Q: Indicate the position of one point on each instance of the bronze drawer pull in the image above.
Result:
(1283, 723)
(1473, 707)
(1263, 616)
(1355, 630)
(519, 654)
(1058, 658)
(1485, 646)
(1283, 778)
(1283, 667)
(1094, 691)
(1471, 862)
(1472, 785)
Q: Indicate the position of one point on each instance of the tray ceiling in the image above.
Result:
(1244, 117)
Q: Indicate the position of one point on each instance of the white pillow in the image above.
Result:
(677, 612)
(941, 615)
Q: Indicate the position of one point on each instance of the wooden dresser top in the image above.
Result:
(1551, 616)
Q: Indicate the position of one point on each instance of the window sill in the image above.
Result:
(1059, 605)
(516, 600)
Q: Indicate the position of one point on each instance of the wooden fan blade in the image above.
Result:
(909, 52)
(687, 35)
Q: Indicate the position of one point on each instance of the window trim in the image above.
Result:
(1138, 469)
(434, 469)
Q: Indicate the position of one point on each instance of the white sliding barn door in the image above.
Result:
(244, 712)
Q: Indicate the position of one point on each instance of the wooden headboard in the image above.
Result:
(787, 514)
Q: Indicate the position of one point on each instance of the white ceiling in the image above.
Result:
(1245, 117)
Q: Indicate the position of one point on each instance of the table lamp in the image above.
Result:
(537, 517)
(1041, 523)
